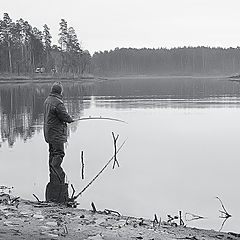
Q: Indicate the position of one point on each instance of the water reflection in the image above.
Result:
(179, 129)
(21, 105)
(169, 88)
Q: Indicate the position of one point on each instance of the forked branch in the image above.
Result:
(115, 149)
(224, 212)
(84, 189)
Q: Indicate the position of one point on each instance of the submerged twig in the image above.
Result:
(99, 172)
(82, 165)
(224, 212)
(181, 222)
(115, 149)
(73, 191)
(37, 198)
(93, 207)
(155, 220)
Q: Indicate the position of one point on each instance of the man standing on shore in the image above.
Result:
(55, 134)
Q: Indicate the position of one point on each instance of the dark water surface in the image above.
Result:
(182, 149)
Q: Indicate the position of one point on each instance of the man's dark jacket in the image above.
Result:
(55, 119)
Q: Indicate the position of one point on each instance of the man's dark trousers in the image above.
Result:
(56, 189)
(56, 155)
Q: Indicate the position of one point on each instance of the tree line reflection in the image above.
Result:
(21, 105)
(21, 108)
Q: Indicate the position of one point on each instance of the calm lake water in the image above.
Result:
(182, 148)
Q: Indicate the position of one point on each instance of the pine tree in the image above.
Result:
(6, 36)
(47, 37)
(72, 41)
(47, 46)
(63, 35)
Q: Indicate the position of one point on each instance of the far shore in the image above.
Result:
(44, 78)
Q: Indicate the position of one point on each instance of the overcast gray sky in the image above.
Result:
(106, 24)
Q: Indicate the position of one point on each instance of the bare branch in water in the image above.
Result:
(224, 212)
(73, 191)
(82, 164)
(155, 220)
(93, 207)
(36, 198)
(181, 222)
(115, 149)
(84, 189)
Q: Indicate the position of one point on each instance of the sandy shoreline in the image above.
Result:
(39, 220)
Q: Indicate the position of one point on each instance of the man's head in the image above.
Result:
(57, 88)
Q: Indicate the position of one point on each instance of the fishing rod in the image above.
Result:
(86, 118)
(99, 118)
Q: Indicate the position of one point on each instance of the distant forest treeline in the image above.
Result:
(175, 61)
(25, 49)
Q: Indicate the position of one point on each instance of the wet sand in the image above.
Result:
(40, 220)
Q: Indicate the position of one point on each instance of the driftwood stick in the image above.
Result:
(160, 221)
(170, 218)
(181, 223)
(108, 211)
(84, 189)
(82, 164)
(224, 212)
(115, 149)
(93, 207)
(155, 220)
(14, 199)
(36, 198)
(73, 191)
